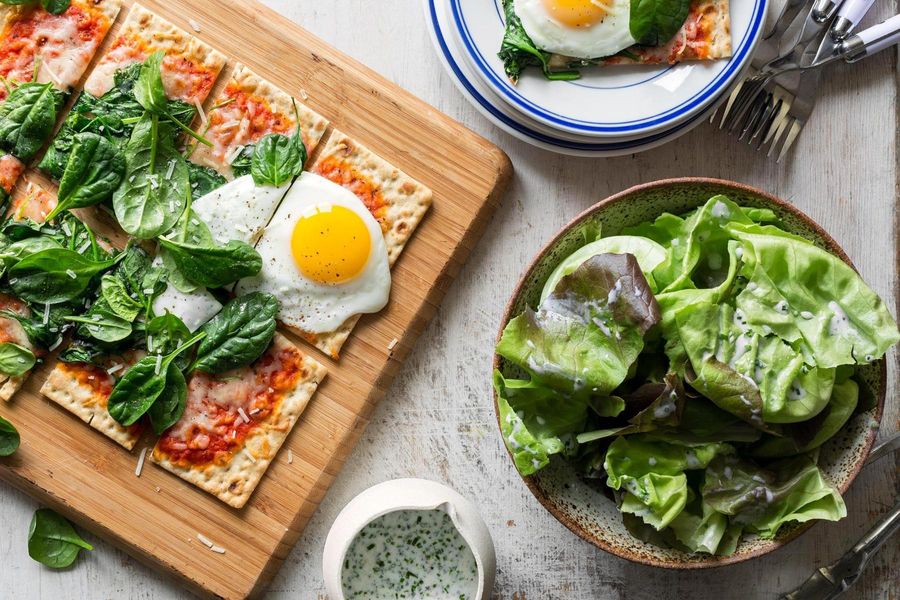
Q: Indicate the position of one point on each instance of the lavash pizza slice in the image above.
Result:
(108, 107)
(235, 422)
(249, 108)
(396, 201)
(42, 56)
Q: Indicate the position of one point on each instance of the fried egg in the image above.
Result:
(577, 28)
(324, 257)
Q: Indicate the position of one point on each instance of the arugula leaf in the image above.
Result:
(93, 172)
(170, 405)
(55, 275)
(518, 52)
(655, 22)
(105, 326)
(213, 266)
(52, 541)
(27, 118)
(15, 360)
(143, 384)
(152, 197)
(238, 335)
(9, 438)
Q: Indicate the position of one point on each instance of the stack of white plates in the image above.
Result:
(609, 111)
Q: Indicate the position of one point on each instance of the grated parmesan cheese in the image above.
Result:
(194, 25)
(290, 456)
(253, 412)
(303, 94)
(115, 368)
(140, 464)
(232, 156)
(243, 415)
(71, 274)
(250, 457)
(205, 540)
(200, 112)
(56, 344)
(393, 344)
(158, 366)
(46, 313)
(218, 549)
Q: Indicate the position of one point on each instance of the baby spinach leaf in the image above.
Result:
(277, 158)
(56, 7)
(169, 407)
(149, 90)
(104, 325)
(143, 384)
(27, 118)
(52, 541)
(243, 163)
(203, 180)
(55, 275)
(212, 266)
(113, 290)
(655, 22)
(15, 360)
(9, 438)
(16, 251)
(238, 335)
(152, 197)
(518, 52)
(93, 172)
(164, 334)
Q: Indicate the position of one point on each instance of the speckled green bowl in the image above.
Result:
(591, 515)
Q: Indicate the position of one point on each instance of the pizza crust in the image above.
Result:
(87, 404)
(406, 202)
(144, 33)
(234, 482)
(231, 126)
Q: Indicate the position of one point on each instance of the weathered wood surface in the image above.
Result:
(437, 420)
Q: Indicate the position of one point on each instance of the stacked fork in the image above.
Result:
(771, 107)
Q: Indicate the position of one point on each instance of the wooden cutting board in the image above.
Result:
(156, 518)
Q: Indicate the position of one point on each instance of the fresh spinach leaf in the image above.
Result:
(52, 541)
(203, 180)
(212, 266)
(84, 352)
(243, 163)
(15, 360)
(104, 325)
(115, 292)
(143, 384)
(55, 275)
(655, 22)
(277, 159)
(152, 197)
(9, 438)
(56, 7)
(518, 52)
(16, 251)
(169, 407)
(93, 172)
(164, 334)
(238, 335)
(43, 333)
(27, 118)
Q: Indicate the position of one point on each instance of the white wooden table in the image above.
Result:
(438, 422)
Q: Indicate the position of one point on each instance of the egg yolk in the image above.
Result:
(576, 13)
(331, 245)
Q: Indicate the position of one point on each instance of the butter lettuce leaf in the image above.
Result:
(762, 500)
(652, 475)
(586, 335)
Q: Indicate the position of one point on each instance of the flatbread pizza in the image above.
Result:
(249, 108)
(235, 423)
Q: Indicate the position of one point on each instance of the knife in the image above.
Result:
(849, 15)
(871, 40)
(823, 10)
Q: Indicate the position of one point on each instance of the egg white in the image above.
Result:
(309, 305)
(609, 36)
(239, 210)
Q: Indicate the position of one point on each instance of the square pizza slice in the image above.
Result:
(235, 423)
(396, 201)
(248, 108)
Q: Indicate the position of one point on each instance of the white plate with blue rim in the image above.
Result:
(616, 102)
(487, 102)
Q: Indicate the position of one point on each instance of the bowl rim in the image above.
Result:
(530, 481)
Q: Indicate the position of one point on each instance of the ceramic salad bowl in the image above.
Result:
(586, 511)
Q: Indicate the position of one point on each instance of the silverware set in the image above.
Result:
(769, 108)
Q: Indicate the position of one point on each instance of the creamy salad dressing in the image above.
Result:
(410, 554)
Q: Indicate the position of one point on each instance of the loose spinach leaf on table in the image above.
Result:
(143, 384)
(238, 335)
(15, 360)
(153, 196)
(212, 266)
(169, 407)
(27, 118)
(9, 438)
(93, 172)
(55, 275)
(52, 541)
